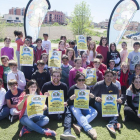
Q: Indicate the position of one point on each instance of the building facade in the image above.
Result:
(17, 11)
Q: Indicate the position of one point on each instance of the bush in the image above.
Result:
(56, 24)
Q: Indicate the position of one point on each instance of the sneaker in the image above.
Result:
(49, 132)
(118, 126)
(77, 128)
(111, 128)
(67, 136)
(13, 118)
(93, 134)
(23, 131)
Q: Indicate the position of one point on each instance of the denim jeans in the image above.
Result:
(66, 116)
(35, 124)
(4, 112)
(112, 120)
(84, 116)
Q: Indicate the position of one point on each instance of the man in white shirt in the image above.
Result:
(46, 44)
(16, 74)
(4, 110)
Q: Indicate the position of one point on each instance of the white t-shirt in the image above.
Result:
(90, 57)
(21, 82)
(118, 84)
(134, 59)
(46, 45)
(2, 97)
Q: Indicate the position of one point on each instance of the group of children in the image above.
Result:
(14, 78)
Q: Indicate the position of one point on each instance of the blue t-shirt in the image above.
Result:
(13, 98)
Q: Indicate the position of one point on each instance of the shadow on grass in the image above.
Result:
(5, 123)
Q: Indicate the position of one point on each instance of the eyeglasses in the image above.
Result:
(81, 80)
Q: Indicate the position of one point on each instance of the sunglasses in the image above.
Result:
(81, 80)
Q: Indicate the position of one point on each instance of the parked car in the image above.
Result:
(130, 35)
(136, 37)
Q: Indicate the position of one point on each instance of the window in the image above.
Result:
(50, 18)
(17, 18)
(22, 12)
(15, 11)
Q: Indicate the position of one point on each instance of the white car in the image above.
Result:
(136, 37)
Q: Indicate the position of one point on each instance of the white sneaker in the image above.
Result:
(67, 136)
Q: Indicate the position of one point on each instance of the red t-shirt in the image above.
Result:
(63, 52)
(38, 54)
(103, 68)
(103, 50)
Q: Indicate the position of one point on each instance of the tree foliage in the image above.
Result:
(81, 19)
(2, 28)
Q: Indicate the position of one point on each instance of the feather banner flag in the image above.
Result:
(120, 18)
(35, 13)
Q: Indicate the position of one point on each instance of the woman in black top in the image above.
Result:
(132, 95)
(83, 116)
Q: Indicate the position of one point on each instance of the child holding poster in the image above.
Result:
(83, 116)
(35, 123)
(78, 64)
(85, 63)
(132, 106)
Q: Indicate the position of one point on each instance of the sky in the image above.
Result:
(100, 9)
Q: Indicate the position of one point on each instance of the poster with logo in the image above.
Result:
(139, 106)
(35, 105)
(82, 99)
(56, 102)
(26, 56)
(81, 43)
(109, 105)
(91, 78)
(54, 59)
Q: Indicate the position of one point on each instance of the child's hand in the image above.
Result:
(17, 77)
(45, 107)
(25, 97)
(91, 95)
(47, 94)
(98, 99)
(73, 97)
(65, 104)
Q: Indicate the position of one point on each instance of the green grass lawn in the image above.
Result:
(129, 130)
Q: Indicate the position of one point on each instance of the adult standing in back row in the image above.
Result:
(103, 49)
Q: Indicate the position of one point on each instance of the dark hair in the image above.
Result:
(29, 37)
(63, 36)
(4, 56)
(114, 45)
(43, 54)
(109, 71)
(17, 33)
(124, 43)
(88, 37)
(31, 82)
(45, 34)
(40, 62)
(78, 75)
(72, 42)
(132, 87)
(12, 63)
(1, 81)
(12, 82)
(65, 57)
(7, 38)
(111, 61)
(137, 65)
(39, 39)
(56, 71)
(115, 73)
(76, 59)
(70, 49)
(136, 43)
(102, 39)
(96, 60)
(99, 56)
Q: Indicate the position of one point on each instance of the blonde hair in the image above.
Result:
(124, 64)
(94, 49)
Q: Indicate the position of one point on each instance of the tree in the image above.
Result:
(81, 19)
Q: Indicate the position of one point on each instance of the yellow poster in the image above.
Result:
(54, 59)
(35, 105)
(81, 43)
(56, 102)
(109, 105)
(139, 106)
(82, 99)
(91, 78)
(26, 56)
